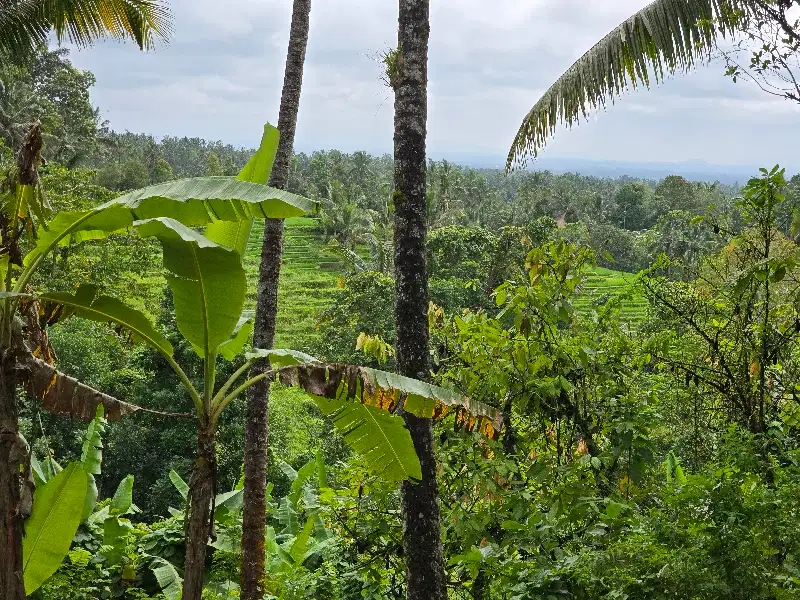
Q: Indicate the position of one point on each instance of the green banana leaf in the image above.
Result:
(194, 202)
(241, 335)
(115, 535)
(207, 281)
(236, 234)
(179, 483)
(299, 546)
(122, 500)
(56, 515)
(92, 458)
(74, 227)
(305, 473)
(167, 577)
(92, 448)
(45, 470)
(202, 200)
(88, 303)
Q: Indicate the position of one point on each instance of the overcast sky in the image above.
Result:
(221, 75)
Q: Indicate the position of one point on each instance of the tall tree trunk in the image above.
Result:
(11, 459)
(200, 524)
(14, 459)
(422, 545)
(257, 429)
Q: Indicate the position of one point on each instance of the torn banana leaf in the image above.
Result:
(62, 394)
(390, 392)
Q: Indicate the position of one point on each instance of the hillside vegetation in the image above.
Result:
(614, 373)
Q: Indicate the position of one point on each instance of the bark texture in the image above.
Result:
(199, 525)
(13, 456)
(15, 491)
(422, 545)
(257, 429)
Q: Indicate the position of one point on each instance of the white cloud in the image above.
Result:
(221, 76)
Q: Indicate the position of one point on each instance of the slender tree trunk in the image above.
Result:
(257, 430)
(199, 525)
(11, 514)
(422, 544)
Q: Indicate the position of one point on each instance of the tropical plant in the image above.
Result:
(26, 355)
(664, 37)
(24, 24)
(303, 536)
(208, 286)
(733, 330)
(64, 498)
(19, 105)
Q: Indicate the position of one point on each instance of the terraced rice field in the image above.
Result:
(602, 283)
(309, 278)
(310, 275)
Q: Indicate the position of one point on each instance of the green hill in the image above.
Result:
(309, 277)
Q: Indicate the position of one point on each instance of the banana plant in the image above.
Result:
(25, 356)
(208, 285)
(295, 544)
(64, 498)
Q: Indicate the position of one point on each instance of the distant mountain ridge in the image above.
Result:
(694, 170)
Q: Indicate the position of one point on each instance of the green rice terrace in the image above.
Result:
(309, 277)
(602, 284)
(311, 272)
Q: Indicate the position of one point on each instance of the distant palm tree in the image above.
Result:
(25, 24)
(19, 106)
(664, 37)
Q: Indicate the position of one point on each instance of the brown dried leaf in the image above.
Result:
(62, 394)
(387, 391)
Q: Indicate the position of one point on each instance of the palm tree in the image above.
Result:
(19, 107)
(25, 24)
(408, 74)
(664, 37)
(257, 428)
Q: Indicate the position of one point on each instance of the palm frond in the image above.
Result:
(24, 24)
(664, 37)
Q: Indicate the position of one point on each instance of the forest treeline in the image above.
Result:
(638, 460)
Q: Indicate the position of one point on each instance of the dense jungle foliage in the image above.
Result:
(641, 339)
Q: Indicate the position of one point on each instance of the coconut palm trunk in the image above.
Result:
(422, 545)
(257, 429)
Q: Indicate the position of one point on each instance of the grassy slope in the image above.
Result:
(309, 277)
(605, 281)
